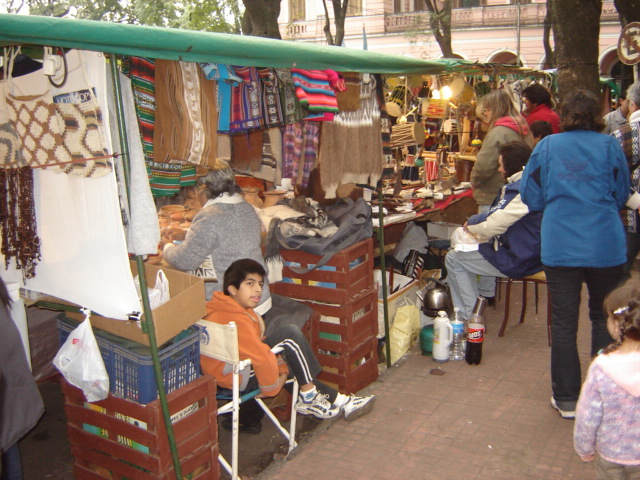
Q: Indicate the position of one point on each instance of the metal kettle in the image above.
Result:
(435, 297)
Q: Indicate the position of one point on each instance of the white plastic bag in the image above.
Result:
(159, 294)
(81, 364)
(464, 241)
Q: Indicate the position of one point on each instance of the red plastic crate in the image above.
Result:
(351, 373)
(357, 322)
(343, 278)
(117, 439)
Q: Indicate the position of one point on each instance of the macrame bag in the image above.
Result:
(34, 119)
(58, 129)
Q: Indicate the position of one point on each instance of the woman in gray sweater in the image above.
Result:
(226, 229)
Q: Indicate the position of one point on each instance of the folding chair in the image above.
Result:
(223, 345)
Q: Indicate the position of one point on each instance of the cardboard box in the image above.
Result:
(407, 291)
(441, 229)
(185, 307)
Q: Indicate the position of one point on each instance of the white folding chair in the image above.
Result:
(221, 342)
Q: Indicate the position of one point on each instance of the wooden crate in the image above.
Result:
(342, 329)
(117, 439)
(351, 373)
(343, 278)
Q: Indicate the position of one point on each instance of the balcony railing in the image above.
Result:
(489, 16)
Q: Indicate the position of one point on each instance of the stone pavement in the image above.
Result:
(490, 421)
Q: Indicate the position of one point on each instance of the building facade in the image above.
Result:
(482, 30)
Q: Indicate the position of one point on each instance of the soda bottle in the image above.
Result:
(475, 335)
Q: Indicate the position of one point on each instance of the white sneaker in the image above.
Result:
(357, 406)
(568, 414)
(319, 407)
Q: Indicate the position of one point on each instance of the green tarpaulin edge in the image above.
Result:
(194, 46)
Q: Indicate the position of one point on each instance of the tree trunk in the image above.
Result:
(327, 24)
(629, 10)
(576, 30)
(548, 23)
(261, 18)
(340, 15)
(440, 22)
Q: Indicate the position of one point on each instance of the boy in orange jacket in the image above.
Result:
(243, 282)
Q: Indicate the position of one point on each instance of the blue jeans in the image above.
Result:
(487, 285)
(463, 269)
(565, 285)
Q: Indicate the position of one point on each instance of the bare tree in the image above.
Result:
(576, 31)
(548, 25)
(440, 22)
(339, 15)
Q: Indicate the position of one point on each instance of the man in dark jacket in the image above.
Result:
(513, 249)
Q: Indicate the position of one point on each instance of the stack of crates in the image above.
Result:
(117, 439)
(343, 293)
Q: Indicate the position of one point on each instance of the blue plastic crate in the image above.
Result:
(130, 366)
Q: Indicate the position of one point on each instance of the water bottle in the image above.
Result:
(442, 337)
(475, 336)
(457, 353)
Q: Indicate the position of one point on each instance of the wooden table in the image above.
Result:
(453, 209)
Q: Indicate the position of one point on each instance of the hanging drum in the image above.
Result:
(411, 133)
(395, 104)
(450, 126)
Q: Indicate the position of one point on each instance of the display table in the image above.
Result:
(453, 209)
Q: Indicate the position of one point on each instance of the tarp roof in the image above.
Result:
(193, 46)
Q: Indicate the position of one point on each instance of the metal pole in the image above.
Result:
(383, 270)
(518, 62)
(147, 324)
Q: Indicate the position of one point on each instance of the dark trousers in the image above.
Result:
(565, 285)
(633, 248)
(300, 359)
(11, 465)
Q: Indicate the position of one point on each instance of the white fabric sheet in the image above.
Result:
(84, 253)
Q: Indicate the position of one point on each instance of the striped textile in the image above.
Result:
(300, 151)
(246, 102)
(186, 114)
(142, 73)
(314, 91)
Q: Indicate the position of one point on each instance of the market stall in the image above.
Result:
(83, 239)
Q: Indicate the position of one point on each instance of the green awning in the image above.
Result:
(193, 46)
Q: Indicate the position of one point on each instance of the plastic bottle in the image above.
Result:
(475, 337)
(442, 337)
(457, 353)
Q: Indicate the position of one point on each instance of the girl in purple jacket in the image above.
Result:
(607, 427)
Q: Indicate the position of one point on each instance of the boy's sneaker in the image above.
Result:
(357, 406)
(319, 407)
(568, 414)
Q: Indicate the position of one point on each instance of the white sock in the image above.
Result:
(308, 395)
(341, 400)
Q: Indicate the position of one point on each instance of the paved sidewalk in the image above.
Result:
(491, 421)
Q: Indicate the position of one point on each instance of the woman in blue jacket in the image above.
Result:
(579, 179)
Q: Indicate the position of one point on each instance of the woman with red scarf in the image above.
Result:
(537, 100)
